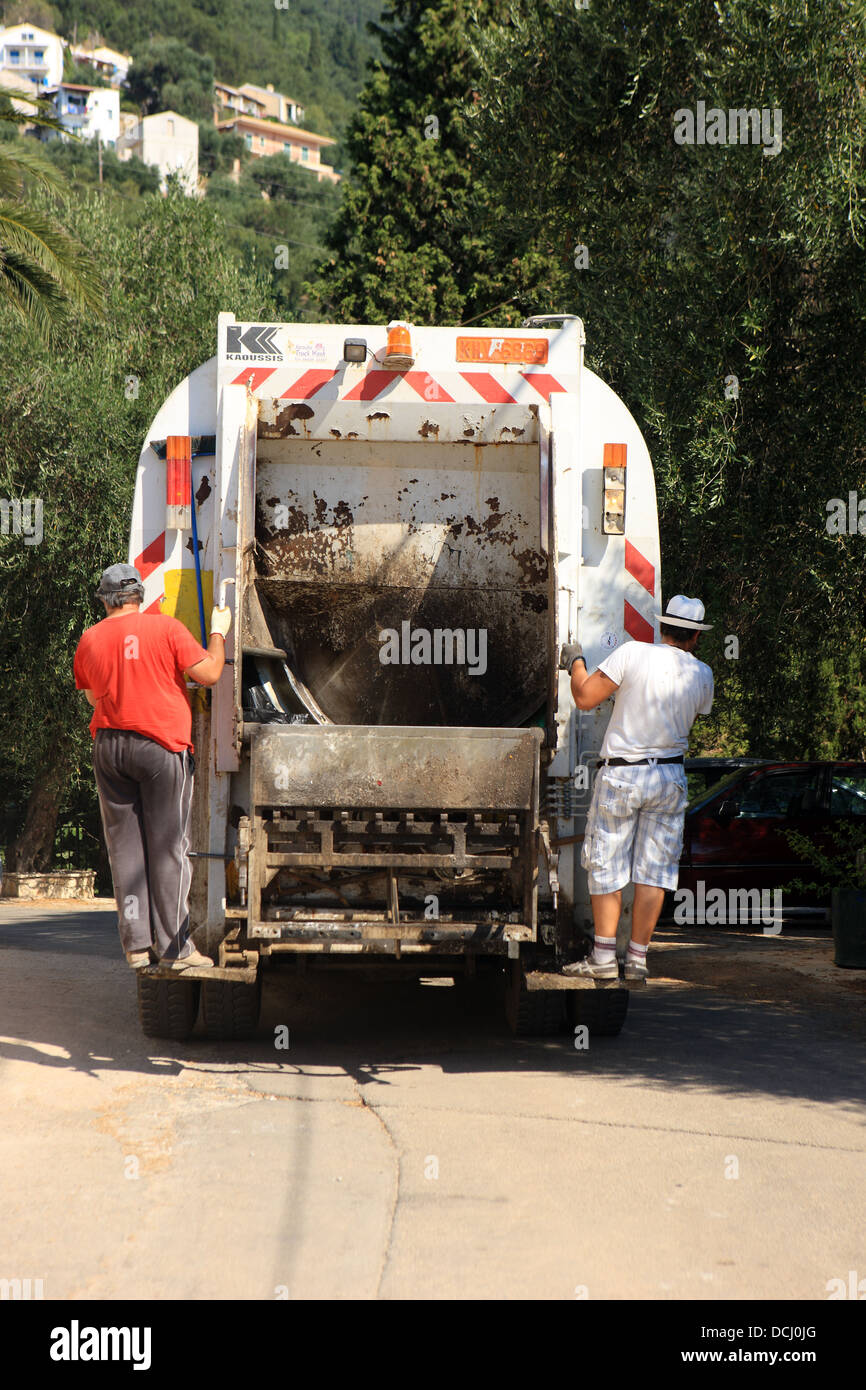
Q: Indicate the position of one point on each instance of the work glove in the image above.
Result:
(571, 652)
(221, 621)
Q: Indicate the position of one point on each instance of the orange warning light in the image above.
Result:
(398, 353)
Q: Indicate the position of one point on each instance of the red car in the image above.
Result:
(736, 857)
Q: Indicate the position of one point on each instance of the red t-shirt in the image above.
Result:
(134, 666)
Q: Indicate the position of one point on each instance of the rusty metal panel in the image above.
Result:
(356, 538)
(409, 768)
(426, 421)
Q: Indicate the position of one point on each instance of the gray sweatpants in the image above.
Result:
(145, 796)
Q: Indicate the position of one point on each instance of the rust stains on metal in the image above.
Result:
(335, 434)
(203, 490)
(282, 425)
(429, 428)
(533, 566)
(379, 415)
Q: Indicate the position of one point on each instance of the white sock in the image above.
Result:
(604, 950)
(636, 954)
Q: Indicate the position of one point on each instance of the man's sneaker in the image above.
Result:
(185, 962)
(590, 971)
(633, 971)
(138, 959)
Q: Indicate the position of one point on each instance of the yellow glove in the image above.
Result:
(221, 621)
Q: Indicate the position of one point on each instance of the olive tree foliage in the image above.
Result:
(72, 421)
(723, 290)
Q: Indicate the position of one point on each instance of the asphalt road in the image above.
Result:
(405, 1146)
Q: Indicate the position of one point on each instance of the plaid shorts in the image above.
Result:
(634, 829)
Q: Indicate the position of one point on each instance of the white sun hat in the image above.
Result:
(685, 612)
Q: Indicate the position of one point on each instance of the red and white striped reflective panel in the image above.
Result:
(484, 386)
(640, 568)
(637, 626)
(253, 377)
(151, 557)
(307, 385)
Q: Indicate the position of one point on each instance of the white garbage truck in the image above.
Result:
(407, 523)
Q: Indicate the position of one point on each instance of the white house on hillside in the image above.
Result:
(33, 54)
(108, 62)
(88, 111)
(166, 140)
(275, 105)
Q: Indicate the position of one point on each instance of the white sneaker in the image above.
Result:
(195, 958)
(139, 959)
(633, 971)
(589, 970)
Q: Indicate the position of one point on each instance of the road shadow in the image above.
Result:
(68, 1000)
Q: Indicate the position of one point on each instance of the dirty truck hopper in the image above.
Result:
(390, 838)
(405, 520)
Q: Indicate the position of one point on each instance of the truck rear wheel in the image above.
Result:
(532, 1013)
(602, 1011)
(167, 1008)
(230, 1009)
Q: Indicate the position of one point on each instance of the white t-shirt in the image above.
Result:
(662, 690)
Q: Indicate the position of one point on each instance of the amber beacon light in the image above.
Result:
(398, 353)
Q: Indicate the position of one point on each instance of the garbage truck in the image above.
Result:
(407, 523)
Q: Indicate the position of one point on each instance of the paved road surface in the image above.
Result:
(406, 1147)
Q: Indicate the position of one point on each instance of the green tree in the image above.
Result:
(168, 75)
(408, 240)
(723, 287)
(72, 420)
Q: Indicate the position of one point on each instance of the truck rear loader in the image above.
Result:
(407, 523)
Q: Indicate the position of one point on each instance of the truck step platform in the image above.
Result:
(550, 979)
(229, 974)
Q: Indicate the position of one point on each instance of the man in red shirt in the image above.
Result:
(131, 667)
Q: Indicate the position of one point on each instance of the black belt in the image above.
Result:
(638, 762)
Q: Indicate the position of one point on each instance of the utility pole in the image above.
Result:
(99, 152)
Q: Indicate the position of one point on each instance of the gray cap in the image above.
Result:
(117, 578)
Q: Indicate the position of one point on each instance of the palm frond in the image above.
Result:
(24, 232)
(34, 294)
(18, 162)
(41, 111)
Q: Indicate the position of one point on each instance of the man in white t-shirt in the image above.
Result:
(634, 829)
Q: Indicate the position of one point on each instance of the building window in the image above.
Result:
(39, 55)
(14, 55)
(305, 153)
(287, 146)
(261, 141)
(170, 124)
(248, 141)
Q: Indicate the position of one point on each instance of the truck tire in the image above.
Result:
(167, 1008)
(537, 1013)
(230, 1010)
(602, 1011)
